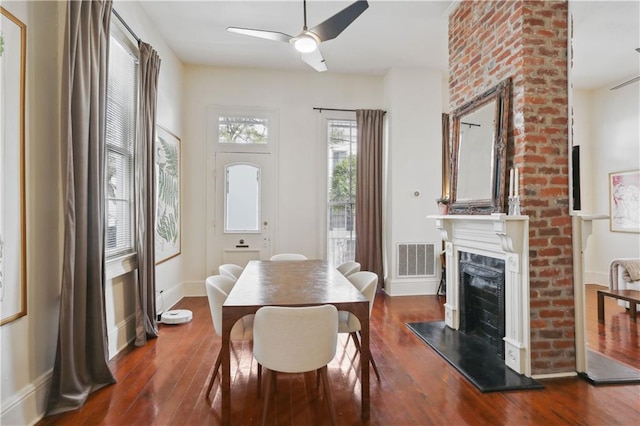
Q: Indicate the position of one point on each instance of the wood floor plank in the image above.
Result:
(163, 382)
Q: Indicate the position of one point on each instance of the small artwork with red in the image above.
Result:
(624, 201)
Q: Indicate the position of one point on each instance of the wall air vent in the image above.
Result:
(416, 260)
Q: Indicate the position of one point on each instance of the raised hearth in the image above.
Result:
(501, 237)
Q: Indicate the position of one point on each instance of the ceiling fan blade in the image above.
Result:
(626, 83)
(332, 27)
(269, 35)
(315, 60)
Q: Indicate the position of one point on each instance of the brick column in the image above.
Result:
(490, 41)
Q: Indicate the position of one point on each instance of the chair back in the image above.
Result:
(231, 270)
(295, 339)
(348, 268)
(288, 256)
(367, 283)
(218, 288)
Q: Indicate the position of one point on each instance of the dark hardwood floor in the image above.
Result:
(164, 382)
(618, 337)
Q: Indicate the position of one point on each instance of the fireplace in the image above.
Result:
(502, 242)
(482, 299)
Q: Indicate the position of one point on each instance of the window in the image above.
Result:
(122, 103)
(243, 130)
(342, 161)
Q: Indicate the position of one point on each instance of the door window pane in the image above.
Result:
(242, 200)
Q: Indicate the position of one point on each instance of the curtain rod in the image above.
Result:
(470, 124)
(126, 25)
(336, 109)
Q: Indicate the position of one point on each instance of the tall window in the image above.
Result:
(342, 190)
(122, 102)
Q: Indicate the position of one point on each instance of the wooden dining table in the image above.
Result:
(292, 283)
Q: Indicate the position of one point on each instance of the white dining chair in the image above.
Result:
(218, 288)
(288, 256)
(366, 282)
(348, 268)
(295, 340)
(231, 270)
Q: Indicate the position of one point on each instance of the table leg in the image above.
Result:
(364, 362)
(632, 310)
(225, 383)
(600, 307)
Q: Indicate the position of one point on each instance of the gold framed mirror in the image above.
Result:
(478, 157)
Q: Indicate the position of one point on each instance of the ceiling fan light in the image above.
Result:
(305, 44)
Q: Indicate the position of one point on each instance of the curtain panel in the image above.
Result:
(146, 324)
(369, 191)
(81, 363)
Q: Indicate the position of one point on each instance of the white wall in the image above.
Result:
(608, 130)
(414, 104)
(300, 217)
(28, 345)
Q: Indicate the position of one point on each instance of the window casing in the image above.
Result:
(122, 106)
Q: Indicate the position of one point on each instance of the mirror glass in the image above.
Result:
(478, 157)
(242, 198)
(475, 154)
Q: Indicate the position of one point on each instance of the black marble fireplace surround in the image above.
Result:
(482, 287)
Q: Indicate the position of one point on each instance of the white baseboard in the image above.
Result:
(194, 289)
(554, 375)
(28, 406)
(412, 287)
(591, 277)
(120, 335)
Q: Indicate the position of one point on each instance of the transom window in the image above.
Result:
(243, 130)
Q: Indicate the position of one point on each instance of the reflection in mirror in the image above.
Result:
(242, 198)
(478, 157)
(475, 154)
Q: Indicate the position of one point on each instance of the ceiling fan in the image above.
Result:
(628, 82)
(308, 40)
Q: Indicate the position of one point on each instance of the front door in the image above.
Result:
(242, 209)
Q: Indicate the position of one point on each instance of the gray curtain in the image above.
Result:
(369, 250)
(81, 364)
(146, 325)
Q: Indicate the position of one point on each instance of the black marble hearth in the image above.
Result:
(473, 357)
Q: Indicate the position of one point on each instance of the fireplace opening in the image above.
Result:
(482, 313)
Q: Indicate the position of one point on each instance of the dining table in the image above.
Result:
(292, 283)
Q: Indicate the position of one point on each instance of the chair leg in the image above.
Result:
(327, 394)
(373, 362)
(356, 342)
(271, 379)
(259, 379)
(215, 373)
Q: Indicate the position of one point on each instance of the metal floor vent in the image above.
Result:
(416, 260)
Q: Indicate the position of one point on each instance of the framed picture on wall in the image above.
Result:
(13, 271)
(168, 230)
(624, 201)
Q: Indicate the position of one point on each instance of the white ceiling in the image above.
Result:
(390, 33)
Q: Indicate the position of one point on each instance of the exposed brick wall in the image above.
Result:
(490, 41)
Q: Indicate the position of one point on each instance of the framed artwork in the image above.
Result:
(167, 167)
(624, 201)
(13, 276)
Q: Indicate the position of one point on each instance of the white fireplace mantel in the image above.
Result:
(502, 237)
